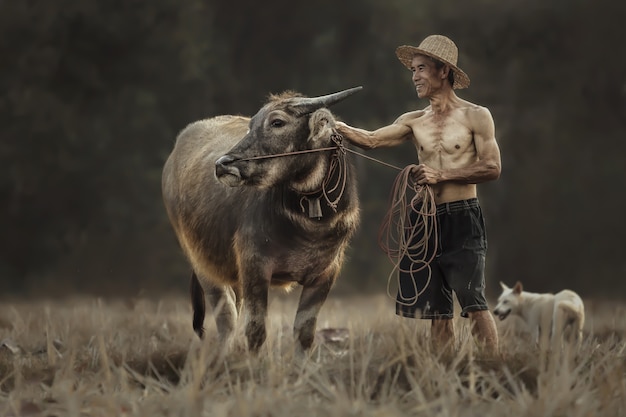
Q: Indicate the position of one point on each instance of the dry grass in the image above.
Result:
(85, 357)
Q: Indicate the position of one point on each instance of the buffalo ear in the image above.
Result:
(517, 289)
(321, 126)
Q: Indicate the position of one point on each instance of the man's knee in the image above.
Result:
(471, 301)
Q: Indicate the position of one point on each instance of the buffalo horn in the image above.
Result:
(306, 105)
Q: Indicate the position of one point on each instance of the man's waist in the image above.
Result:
(459, 205)
(449, 191)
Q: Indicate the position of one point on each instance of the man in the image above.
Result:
(456, 149)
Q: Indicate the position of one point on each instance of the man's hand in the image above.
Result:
(423, 174)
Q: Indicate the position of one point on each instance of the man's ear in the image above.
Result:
(445, 70)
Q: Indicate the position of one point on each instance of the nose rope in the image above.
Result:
(337, 138)
(278, 155)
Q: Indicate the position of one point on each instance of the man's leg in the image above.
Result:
(484, 331)
(442, 335)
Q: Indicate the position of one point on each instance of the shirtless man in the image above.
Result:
(456, 149)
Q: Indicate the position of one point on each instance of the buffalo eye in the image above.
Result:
(277, 123)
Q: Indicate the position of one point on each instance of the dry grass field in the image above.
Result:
(139, 357)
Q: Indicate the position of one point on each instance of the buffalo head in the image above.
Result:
(287, 123)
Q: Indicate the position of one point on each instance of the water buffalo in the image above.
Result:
(249, 217)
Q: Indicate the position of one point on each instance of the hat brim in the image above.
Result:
(405, 54)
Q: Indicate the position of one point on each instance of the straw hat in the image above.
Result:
(441, 48)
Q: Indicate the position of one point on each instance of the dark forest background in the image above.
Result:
(94, 92)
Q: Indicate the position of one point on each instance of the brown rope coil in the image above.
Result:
(400, 236)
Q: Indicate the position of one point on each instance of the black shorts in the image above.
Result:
(459, 266)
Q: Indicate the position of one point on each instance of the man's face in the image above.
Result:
(426, 77)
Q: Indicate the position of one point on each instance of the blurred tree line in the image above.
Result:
(93, 94)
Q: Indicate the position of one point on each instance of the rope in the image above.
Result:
(276, 155)
(374, 159)
(330, 148)
(400, 236)
(338, 162)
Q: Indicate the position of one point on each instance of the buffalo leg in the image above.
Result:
(255, 295)
(198, 305)
(311, 300)
(222, 301)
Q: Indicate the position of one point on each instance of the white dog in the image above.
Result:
(563, 313)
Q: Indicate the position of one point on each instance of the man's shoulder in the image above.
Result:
(409, 116)
(468, 106)
(478, 118)
(474, 112)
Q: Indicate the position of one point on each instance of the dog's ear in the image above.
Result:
(503, 285)
(517, 289)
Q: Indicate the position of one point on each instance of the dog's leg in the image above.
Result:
(541, 323)
(536, 332)
(559, 328)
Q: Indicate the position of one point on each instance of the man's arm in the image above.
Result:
(488, 165)
(391, 135)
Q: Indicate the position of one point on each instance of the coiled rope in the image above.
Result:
(401, 236)
(338, 162)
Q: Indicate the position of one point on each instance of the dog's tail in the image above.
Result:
(572, 312)
(573, 318)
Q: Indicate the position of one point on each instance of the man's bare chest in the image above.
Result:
(442, 135)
